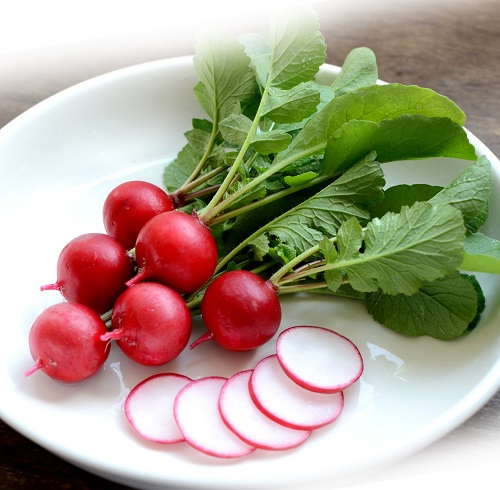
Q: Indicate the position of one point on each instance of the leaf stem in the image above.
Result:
(217, 209)
(214, 206)
(201, 193)
(204, 158)
(282, 271)
(302, 288)
(193, 184)
(268, 199)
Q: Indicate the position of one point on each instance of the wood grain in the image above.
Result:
(451, 47)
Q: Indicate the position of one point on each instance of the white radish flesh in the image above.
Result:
(284, 401)
(319, 359)
(242, 416)
(149, 407)
(197, 414)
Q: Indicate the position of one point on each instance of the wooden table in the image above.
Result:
(451, 46)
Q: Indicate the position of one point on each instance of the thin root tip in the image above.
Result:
(140, 276)
(33, 369)
(51, 287)
(112, 335)
(203, 338)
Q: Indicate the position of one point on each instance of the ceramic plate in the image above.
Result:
(58, 162)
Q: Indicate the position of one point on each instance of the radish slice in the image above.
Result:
(149, 407)
(197, 414)
(243, 417)
(284, 401)
(319, 359)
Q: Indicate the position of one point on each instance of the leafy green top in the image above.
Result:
(288, 173)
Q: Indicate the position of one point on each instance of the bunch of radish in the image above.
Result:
(274, 406)
(131, 285)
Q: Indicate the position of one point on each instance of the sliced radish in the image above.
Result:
(197, 414)
(284, 401)
(243, 417)
(149, 407)
(319, 359)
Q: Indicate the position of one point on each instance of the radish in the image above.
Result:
(92, 269)
(197, 414)
(176, 249)
(242, 416)
(151, 323)
(286, 402)
(240, 310)
(65, 343)
(319, 359)
(129, 206)
(149, 407)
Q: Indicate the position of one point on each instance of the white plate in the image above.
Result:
(58, 162)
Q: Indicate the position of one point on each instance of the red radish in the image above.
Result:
(197, 414)
(319, 359)
(92, 269)
(242, 416)
(149, 407)
(176, 249)
(241, 311)
(151, 323)
(65, 342)
(286, 402)
(129, 206)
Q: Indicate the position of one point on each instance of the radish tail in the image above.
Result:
(113, 335)
(203, 338)
(33, 368)
(140, 276)
(51, 287)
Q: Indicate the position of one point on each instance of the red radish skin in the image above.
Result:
(176, 249)
(129, 206)
(65, 342)
(286, 402)
(248, 422)
(92, 269)
(197, 414)
(149, 407)
(319, 359)
(151, 323)
(240, 310)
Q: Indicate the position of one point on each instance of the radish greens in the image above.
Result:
(288, 172)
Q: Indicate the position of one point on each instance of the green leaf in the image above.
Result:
(226, 78)
(334, 277)
(402, 195)
(358, 70)
(409, 136)
(234, 128)
(442, 309)
(304, 226)
(375, 103)
(469, 192)
(199, 140)
(293, 52)
(401, 251)
(281, 252)
(481, 301)
(328, 249)
(267, 142)
(481, 254)
(289, 106)
(260, 247)
(349, 240)
(293, 180)
(475, 224)
(177, 171)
